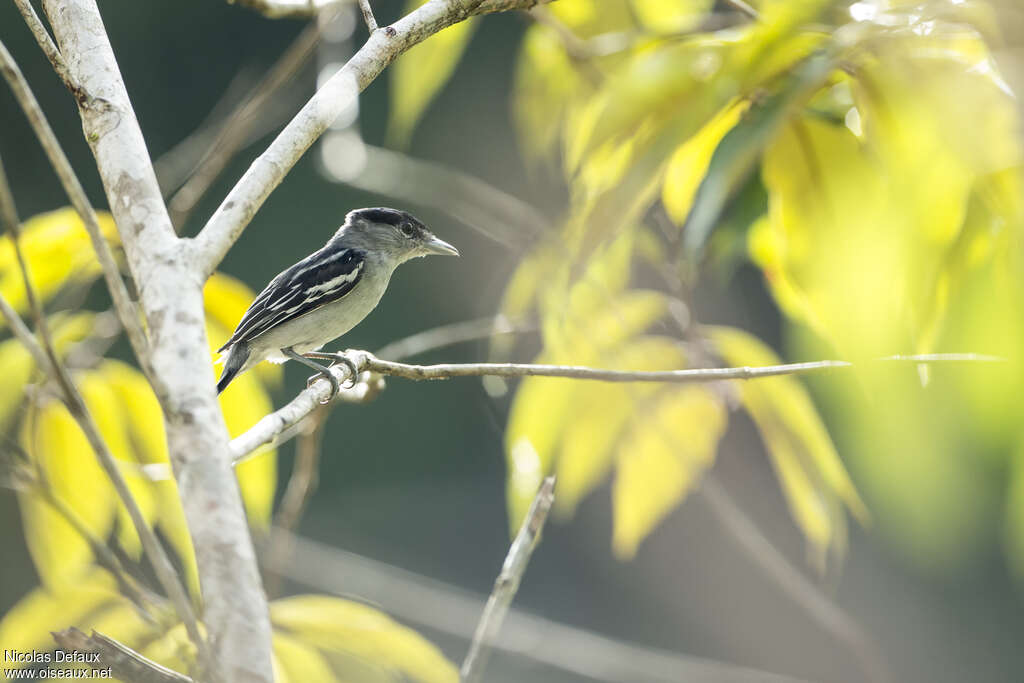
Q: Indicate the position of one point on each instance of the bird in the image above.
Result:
(326, 294)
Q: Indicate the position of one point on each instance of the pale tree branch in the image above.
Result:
(371, 21)
(76, 193)
(77, 407)
(271, 426)
(270, 168)
(235, 610)
(123, 662)
(45, 41)
(507, 584)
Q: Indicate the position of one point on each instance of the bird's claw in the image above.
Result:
(335, 387)
(335, 358)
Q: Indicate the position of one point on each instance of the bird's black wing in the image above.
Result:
(320, 278)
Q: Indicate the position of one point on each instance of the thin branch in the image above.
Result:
(45, 41)
(452, 610)
(117, 659)
(792, 582)
(367, 362)
(271, 426)
(507, 584)
(126, 310)
(236, 129)
(270, 168)
(371, 21)
(76, 405)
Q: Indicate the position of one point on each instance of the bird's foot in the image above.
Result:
(353, 371)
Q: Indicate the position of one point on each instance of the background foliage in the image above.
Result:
(860, 165)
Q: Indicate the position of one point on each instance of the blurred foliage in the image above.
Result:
(418, 75)
(871, 153)
(69, 507)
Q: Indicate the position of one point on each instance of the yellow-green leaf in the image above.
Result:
(53, 439)
(300, 662)
(809, 468)
(341, 626)
(661, 456)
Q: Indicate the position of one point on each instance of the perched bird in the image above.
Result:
(326, 294)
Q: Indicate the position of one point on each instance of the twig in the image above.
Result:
(162, 566)
(301, 486)
(122, 662)
(507, 584)
(76, 193)
(792, 582)
(269, 169)
(371, 21)
(235, 130)
(283, 419)
(367, 362)
(45, 41)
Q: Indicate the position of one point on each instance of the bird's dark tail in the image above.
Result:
(232, 366)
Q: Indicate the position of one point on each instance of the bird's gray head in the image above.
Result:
(391, 233)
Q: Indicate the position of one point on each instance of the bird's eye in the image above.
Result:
(407, 229)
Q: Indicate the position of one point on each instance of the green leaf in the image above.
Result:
(418, 75)
(346, 628)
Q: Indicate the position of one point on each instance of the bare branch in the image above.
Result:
(76, 405)
(507, 584)
(269, 169)
(123, 662)
(235, 609)
(280, 421)
(76, 193)
(449, 609)
(371, 21)
(42, 37)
